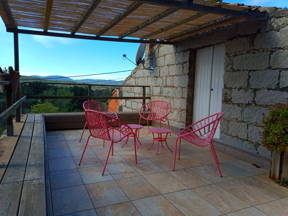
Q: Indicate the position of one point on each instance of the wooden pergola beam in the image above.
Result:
(48, 10)
(205, 27)
(6, 14)
(85, 16)
(119, 18)
(173, 25)
(189, 5)
(149, 21)
(113, 39)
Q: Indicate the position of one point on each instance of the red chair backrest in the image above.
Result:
(97, 124)
(156, 110)
(205, 127)
(94, 105)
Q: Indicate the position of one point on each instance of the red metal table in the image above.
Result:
(162, 134)
(136, 128)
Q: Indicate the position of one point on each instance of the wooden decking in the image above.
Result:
(22, 186)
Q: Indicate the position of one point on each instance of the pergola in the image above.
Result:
(141, 21)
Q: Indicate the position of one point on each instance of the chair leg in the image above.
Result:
(179, 149)
(169, 126)
(84, 150)
(106, 161)
(135, 150)
(112, 149)
(175, 155)
(216, 160)
(83, 131)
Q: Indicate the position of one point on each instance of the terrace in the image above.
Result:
(40, 174)
(151, 188)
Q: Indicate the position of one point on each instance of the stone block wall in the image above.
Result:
(168, 81)
(255, 78)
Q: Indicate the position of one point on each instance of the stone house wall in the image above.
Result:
(256, 77)
(168, 81)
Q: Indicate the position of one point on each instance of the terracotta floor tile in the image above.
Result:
(251, 190)
(187, 162)
(145, 167)
(105, 193)
(67, 178)
(164, 162)
(209, 172)
(158, 205)
(58, 152)
(93, 174)
(219, 198)
(70, 200)
(76, 152)
(137, 187)
(59, 164)
(190, 178)
(191, 204)
(252, 170)
(120, 167)
(165, 182)
(121, 209)
(275, 208)
(248, 212)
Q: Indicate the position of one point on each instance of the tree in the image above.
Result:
(44, 108)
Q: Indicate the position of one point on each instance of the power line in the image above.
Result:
(83, 75)
(100, 73)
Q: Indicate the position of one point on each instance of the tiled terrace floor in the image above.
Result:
(151, 188)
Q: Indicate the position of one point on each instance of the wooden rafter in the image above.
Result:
(85, 16)
(205, 27)
(119, 18)
(173, 25)
(150, 21)
(54, 34)
(6, 14)
(189, 5)
(48, 10)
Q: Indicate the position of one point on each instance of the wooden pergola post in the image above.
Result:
(16, 67)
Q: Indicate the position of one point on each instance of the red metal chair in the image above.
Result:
(107, 128)
(157, 110)
(93, 105)
(201, 134)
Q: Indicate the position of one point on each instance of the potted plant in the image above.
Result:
(275, 138)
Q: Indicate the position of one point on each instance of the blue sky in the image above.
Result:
(44, 55)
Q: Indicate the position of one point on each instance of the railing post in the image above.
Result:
(144, 95)
(89, 91)
(9, 102)
(16, 67)
(18, 96)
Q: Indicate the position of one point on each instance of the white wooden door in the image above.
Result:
(209, 82)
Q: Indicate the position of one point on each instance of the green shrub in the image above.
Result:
(44, 108)
(275, 135)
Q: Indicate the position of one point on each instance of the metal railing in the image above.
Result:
(89, 91)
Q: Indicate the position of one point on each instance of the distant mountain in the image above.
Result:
(67, 79)
(58, 78)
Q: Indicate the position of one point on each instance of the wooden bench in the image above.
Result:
(22, 187)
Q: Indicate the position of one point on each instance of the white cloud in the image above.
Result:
(50, 42)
